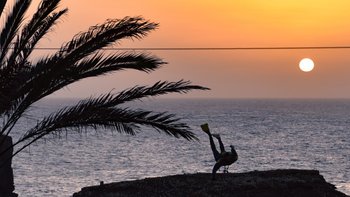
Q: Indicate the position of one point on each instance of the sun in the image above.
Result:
(306, 65)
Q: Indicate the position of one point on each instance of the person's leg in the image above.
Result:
(216, 153)
(213, 148)
(222, 148)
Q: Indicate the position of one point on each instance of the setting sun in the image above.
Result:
(306, 65)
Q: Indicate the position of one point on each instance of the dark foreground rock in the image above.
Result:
(279, 183)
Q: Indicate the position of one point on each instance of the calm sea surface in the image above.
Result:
(267, 134)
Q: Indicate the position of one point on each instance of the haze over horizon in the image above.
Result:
(229, 74)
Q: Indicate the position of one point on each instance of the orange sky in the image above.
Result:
(226, 23)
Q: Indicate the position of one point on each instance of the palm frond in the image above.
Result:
(23, 82)
(10, 85)
(103, 110)
(16, 74)
(31, 34)
(12, 25)
(40, 17)
(97, 37)
(2, 6)
(96, 66)
(159, 88)
(33, 89)
(56, 69)
(111, 100)
(44, 9)
(100, 63)
(100, 36)
(117, 119)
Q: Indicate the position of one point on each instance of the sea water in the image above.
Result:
(267, 134)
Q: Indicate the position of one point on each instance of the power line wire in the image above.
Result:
(212, 48)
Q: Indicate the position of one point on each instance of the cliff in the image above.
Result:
(281, 183)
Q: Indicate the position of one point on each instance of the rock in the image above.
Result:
(279, 183)
(6, 173)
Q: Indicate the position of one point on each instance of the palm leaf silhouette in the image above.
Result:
(23, 81)
(2, 6)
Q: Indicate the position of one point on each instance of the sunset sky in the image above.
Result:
(225, 23)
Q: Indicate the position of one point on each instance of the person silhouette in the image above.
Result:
(222, 158)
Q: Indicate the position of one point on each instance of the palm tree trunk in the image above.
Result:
(6, 174)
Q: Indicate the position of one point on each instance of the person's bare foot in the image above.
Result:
(205, 128)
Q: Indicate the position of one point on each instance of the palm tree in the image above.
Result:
(23, 81)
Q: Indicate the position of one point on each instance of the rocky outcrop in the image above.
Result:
(279, 183)
(6, 173)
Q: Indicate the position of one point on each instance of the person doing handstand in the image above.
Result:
(223, 158)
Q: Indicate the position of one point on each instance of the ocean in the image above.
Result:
(267, 134)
